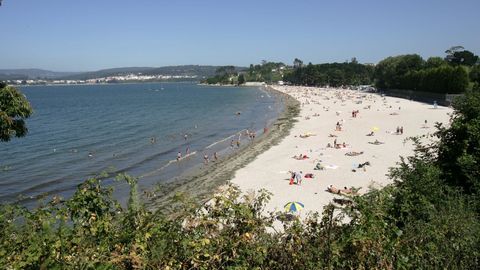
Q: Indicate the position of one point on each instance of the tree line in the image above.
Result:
(331, 74)
(458, 71)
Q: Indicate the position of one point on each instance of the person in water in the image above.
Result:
(179, 155)
(205, 159)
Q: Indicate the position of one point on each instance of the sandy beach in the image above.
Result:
(363, 163)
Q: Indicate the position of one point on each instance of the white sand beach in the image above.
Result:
(321, 109)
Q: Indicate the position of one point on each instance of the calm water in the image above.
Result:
(80, 131)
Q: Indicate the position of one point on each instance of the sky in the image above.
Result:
(84, 35)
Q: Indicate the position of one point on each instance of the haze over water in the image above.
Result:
(79, 131)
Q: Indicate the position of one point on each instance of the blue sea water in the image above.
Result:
(79, 131)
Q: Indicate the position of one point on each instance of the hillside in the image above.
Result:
(31, 73)
(200, 71)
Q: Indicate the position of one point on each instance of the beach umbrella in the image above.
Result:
(294, 206)
(375, 129)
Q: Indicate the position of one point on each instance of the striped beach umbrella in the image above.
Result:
(293, 206)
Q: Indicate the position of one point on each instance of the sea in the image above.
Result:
(81, 131)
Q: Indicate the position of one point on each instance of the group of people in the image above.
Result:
(400, 130)
(354, 113)
(251, 134)
(338, 127)
(295, 177)
(335, 190)
(206, 158)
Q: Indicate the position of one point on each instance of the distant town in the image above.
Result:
(109, 79)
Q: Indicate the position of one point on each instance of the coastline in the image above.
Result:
(200, 185)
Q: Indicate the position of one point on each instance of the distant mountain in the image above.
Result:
(31, 73)
(186, 70)
(190, 70)
(106, 73)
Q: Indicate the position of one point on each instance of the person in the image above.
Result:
(333, 189)
(298, 176)
(292, 177)
(187, 151)
(238, 143)
(153, 140)
(401, 130)
(232, 144)
(205, 159)
(179, 156)
(344, 145)
(185, 137)
(215, 156)
(371, 133)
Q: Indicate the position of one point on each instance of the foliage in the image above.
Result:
(14, 109)
(457, 55)
(223, 75)
(413, 73)
(266, 72)
(334, 74)
(458, 153)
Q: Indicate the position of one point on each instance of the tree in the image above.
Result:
(241, 79)
(458, 153)
(457, 55)
(297, 63)
(434, 62)
(14, 109)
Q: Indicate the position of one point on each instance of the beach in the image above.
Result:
(326, 118)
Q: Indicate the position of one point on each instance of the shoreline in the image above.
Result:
(200, 185)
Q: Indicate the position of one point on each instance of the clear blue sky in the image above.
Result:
(81, 35)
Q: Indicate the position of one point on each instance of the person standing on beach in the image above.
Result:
(232, 145)
(205, 159)
(238, 143)
(179, 156)
(215, 156)
(187, 151)
(298, 176)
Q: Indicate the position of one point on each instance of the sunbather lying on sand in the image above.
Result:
(345, 190)
(376, 142)
(371, 134)
(361, 165)
(301, 157)
(332, 135)
(353, 153)
(319, 167)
